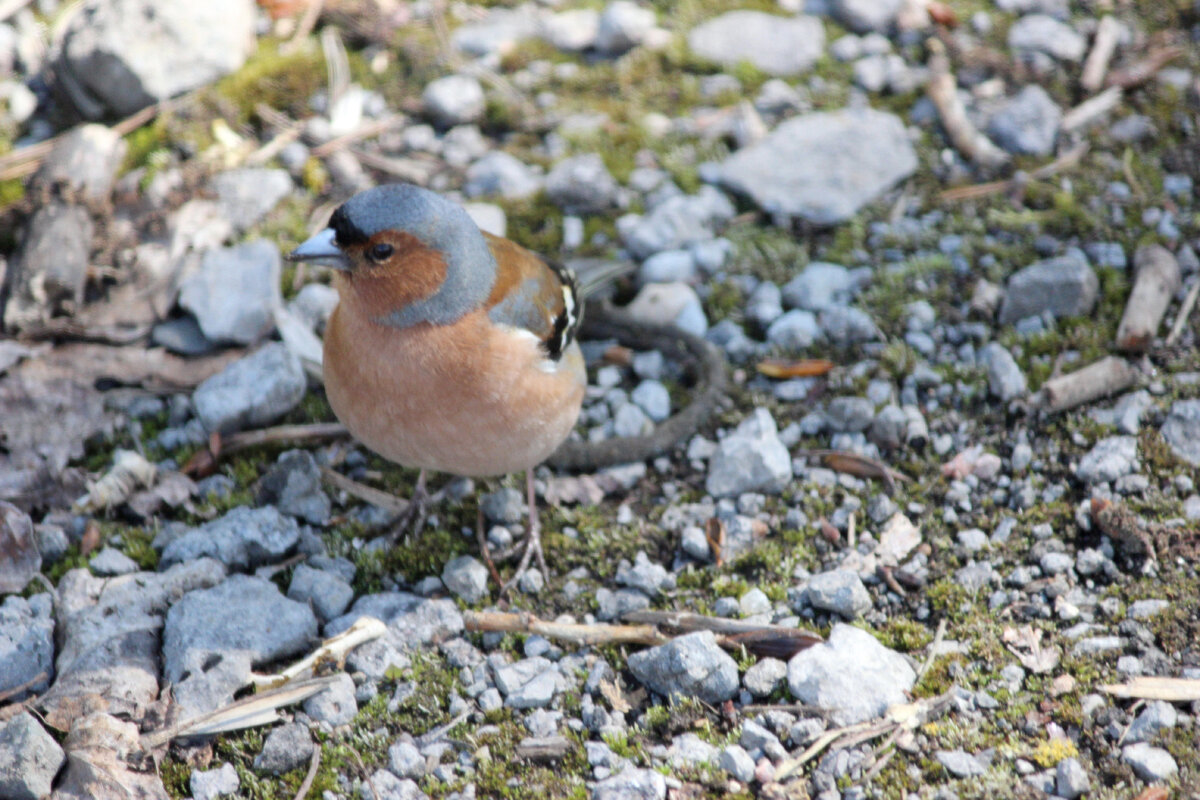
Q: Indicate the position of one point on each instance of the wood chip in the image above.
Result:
(802, 368)
(1157, 279)
(1100, 379)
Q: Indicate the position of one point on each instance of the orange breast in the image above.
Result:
(467, 398)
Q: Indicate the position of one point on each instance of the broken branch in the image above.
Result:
(1107, 376)
(576, 633)
(966, 138)
(1158, 278)
(1103, 47)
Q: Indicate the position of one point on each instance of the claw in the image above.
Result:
(533, 540)
(413, 518)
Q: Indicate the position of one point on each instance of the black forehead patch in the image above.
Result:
(345, 231)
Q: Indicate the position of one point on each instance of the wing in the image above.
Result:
(533, 295)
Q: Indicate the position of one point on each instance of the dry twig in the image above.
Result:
(1103, 47)
(1091, 109)
(1157, 279)
(978, 190)
(204, 462)
(576, 633)
(1107, 376)
(1185, 311)
(311, 775)
(966, 138)
(1151, 687)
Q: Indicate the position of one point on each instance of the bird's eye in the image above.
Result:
(380, 252)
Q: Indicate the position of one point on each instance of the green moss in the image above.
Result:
(279, 80)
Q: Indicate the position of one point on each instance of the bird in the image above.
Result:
(450, 349)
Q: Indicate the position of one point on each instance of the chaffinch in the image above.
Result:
(450, 349)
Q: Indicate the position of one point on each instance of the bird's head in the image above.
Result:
(409, 254)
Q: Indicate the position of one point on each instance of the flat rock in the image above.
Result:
(822, 167)
(119, 56)
(26, 643)
(454, 100)
(1044, 34)
(632, 784)
(234, 292)
(29, 759)
(852, 676)
(582, 185)
(241, 539)
(750, 459)
(839, 591)
(1065, 287)
(85, 160)
(774, 44)
(1005, 378)
(1028, 123)
(247, 195)
(252, 391)
(1109, 459)
(48, 272)
(244, 620)
(327, 593)
(1182, 430)
(287, 747)
(293, 485)
(866, 16)
(1152, 764)
(692, 665)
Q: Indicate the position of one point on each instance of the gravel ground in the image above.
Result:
(924, 568)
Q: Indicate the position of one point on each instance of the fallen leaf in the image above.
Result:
(714, 532)
(1026, 644)
(862, 467)
(20, 559)
(615, 697)
(803, 368)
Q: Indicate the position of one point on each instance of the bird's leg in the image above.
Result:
(413, 518)
(533, 539)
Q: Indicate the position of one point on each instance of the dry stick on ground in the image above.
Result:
(860, 466)
(1091, 109)
(1065, 161)
(1145, 69)
(943, 91)
(376, 497)
(548, 748)
(1145, 687)
(204, 461)
(762, 640)
(1185, 311)
(598, 633)
(311, 775)
(312, 12)
(1107, 376)
(1157, 279)
(1103, 47)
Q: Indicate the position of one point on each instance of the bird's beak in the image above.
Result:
(321, 249)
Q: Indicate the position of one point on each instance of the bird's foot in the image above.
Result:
(533, 541)
(412, 520)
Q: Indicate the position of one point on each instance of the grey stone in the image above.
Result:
(774, 44)
(497, 34)
(467, 578)
(1182, 430)
(1144, 609)
(794, 330)
(529, 683)
(110, 561)
(1044, 34)
(765, 677)
(386, 786)
(1156, 717)
(851, 675)
(1097, 645)
(247, 195)
(690, 750)
(630, 421)
(235, 291)
(108, 635)
(822, 167)
(1152, 764)
(622, 26)
(1065, 286)
(765, 304)
(1027, 124)
(505, 506)
(252, 391)
(754, 601)
(692, 665)
(244, 617)
(500, 174)
(48, 272)
(241, 539)
(406, 761)
(674, 304)
(645, 575)
(582, 185)
(632, 784)
(866, 16)
(120, 56)
(750, 459)
(573, 30)
(288, 747)
(653, 398)
(1071, 779)
(614, 605)
(675, 223)
(1109, 459)
(737, 762)
(819, 286)
(29, 759)
(313, 304)
(669, 266)
(1005, 379)
(839, 591)
(293, 485)
(849, 414)
(453, 100)
(26, 643)
(336, 704)
(326, 592)
(86, 160)
(210, 784)
(846, 325)
(181, 335)
(959, 763)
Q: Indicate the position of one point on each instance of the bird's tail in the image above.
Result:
(593, 274)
